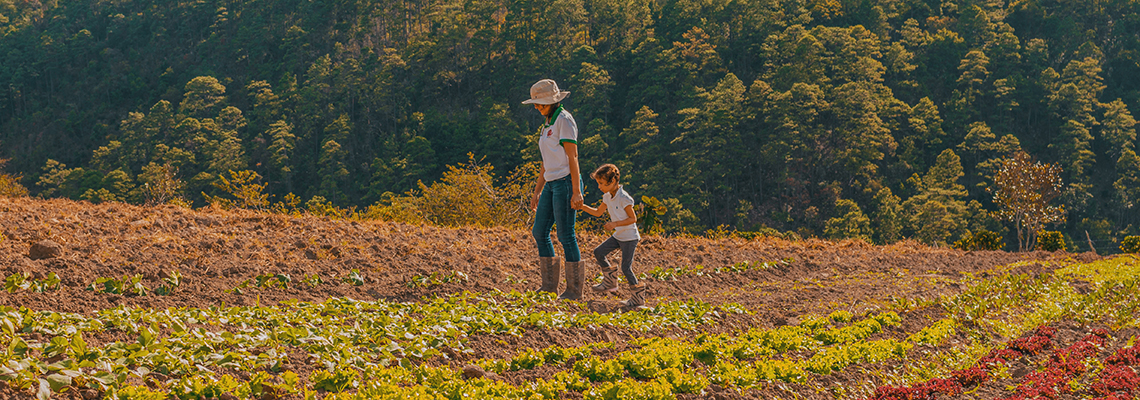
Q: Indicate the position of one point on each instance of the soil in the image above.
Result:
(216, 251)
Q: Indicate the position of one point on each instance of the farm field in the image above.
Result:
(151, 303)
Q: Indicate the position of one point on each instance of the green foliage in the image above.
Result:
(354, 278)
(649, 214)
(335, 381)
(243, 187)
(597, 370)
(935, 334)
(170, 283)
(436, 278)
(468, 195)
(886, 221)
(849, 223)
(127, 286)
(753, 113)
(937, 213)
(1051, 241)
(1130, 244)
(653, 390)
(21, 281)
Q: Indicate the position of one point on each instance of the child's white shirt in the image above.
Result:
(615, 206)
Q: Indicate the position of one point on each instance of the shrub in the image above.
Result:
(987, 240)
(160, 185)
(243, 186)
(10, 185)
(1050, 241)
(1130, 244)
(467, 195)
(983, 240)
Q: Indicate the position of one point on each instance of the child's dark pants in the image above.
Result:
(627, 250)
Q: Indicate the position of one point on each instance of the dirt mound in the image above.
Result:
(217, 252)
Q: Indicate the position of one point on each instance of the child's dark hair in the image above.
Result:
(607, 172)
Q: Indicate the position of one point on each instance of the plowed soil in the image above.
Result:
(216, 251)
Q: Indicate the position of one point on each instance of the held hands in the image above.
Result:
(576, 201)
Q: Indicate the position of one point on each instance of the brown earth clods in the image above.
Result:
(215, 251)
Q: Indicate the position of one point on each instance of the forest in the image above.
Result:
(878, 119)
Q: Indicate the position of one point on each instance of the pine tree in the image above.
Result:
(848, 223)
(937, 213)
(887, 220)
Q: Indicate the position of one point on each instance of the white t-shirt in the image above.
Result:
(554, 159)
(615, 206)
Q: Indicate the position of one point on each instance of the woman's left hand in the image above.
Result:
(576, 201)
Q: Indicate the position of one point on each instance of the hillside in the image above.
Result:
(749, 113)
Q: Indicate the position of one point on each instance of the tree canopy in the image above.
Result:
(753, 114)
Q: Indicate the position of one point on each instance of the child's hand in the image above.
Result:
(609, 226)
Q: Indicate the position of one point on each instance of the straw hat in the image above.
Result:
(546, 92)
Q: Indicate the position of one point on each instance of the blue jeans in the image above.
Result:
(554, 209)
(628, 249)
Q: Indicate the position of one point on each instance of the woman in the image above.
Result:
(558, 191)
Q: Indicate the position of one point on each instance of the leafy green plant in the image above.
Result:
(336, 380)
(128, 285)
(436, 279)
(527, 359)
(354, 278)
(313, 280)
(933, 335)
(169, 284)
(21, 281)
(597, 370)
(632, 390)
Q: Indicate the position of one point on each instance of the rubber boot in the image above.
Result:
(575, 281)
(637, 296)
(609, 281)
(548, 268)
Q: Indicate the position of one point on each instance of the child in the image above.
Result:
(623, 222)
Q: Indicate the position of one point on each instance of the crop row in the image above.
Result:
(23, 281)
(660, 368)
(378, 349)
(1115, 376)
(1102, 292)
(334, 333)
(342, 335)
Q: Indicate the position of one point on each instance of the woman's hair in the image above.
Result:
(607, 172)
